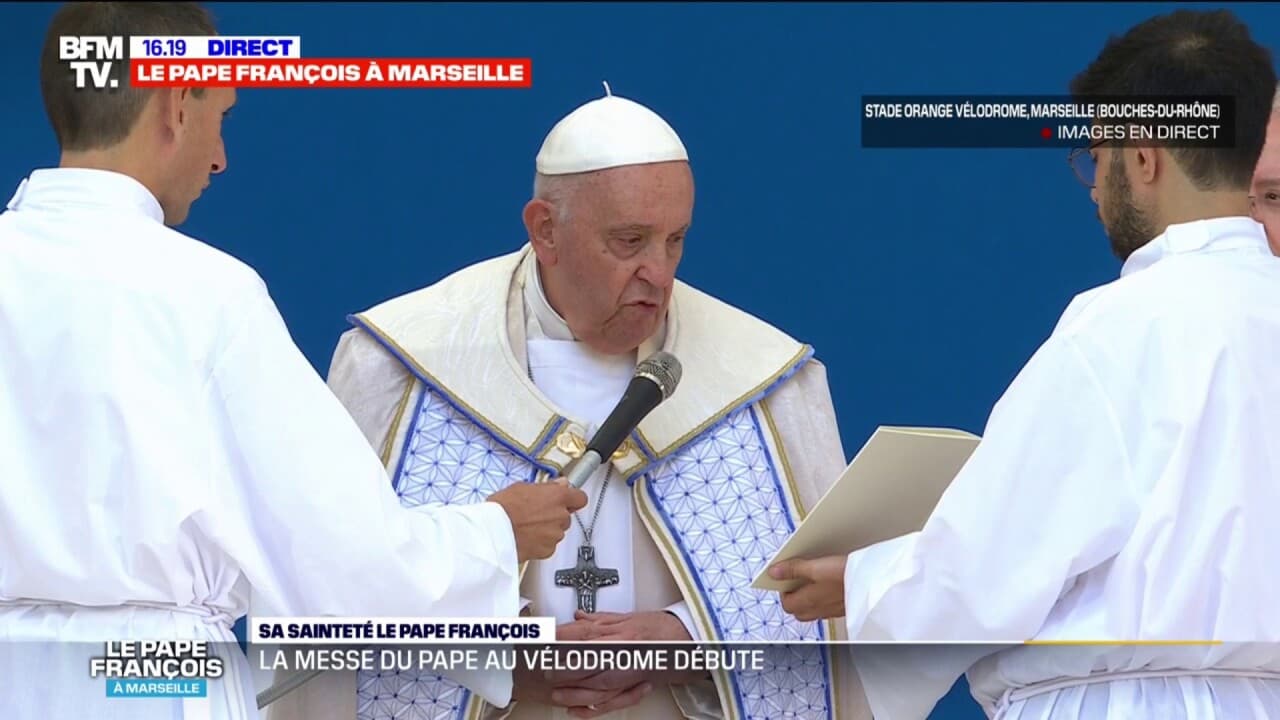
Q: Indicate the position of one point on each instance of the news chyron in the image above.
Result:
(102, 63)
(1045, 121)
(448, 645)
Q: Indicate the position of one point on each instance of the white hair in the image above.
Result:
(556, 190)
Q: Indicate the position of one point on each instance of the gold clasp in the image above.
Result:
(623, 450)
(571, 444)
(574, 445)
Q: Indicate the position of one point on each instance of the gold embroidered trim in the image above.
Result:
(781, 449)
(390, 442)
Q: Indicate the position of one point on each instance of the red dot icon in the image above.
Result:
(1046, 133)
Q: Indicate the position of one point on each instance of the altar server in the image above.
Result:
(1126, 486)
(166, 452)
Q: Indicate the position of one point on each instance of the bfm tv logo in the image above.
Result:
(103, 51)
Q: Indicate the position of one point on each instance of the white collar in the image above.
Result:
(1213, 234)
(543, 320)
(53, 187)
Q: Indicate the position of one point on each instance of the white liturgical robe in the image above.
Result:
(168, 454)
(1125, 490)
(587, 385)
(439, 380)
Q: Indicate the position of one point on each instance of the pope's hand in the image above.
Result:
(822, 594)
(584, 694)
(623, 627)
(583, 697)
(540, 514)
(603, 692)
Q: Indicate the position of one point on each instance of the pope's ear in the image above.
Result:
(539, 223)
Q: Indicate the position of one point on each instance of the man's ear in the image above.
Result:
(539, 223)
(1148, 163)
(171, 106)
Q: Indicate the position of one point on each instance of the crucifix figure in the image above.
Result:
(586, 578)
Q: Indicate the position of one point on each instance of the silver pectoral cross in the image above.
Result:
(586, 578)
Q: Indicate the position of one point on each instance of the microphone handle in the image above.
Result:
(584, 468)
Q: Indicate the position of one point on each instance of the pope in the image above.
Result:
(498, 374)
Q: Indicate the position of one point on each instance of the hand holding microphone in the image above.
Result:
(540, 514)
(655, 380)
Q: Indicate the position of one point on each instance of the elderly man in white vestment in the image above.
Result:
(1265, 192)
(168, 452)
(1126, 487)
(499, 373)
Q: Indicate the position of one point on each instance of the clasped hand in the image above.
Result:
(590, 694)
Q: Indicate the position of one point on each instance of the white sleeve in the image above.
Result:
(303, 505)
(1047, 495)
(681, 611)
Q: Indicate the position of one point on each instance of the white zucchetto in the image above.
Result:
(605, 133)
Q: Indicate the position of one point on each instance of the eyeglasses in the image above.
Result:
(1081, 161)
(1267, 204)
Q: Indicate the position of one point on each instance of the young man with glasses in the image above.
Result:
(1122, 500)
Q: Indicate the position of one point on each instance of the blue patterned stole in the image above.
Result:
(717, 506)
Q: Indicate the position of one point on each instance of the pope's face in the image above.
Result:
(1266, 185)
(614, 260)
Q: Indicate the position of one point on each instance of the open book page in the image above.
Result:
(889, 489)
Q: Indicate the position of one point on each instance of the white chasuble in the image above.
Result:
(708, 486)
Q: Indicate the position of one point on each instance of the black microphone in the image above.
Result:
(655, 380)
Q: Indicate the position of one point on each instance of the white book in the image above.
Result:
(888, 490)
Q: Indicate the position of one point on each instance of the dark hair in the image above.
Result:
(1194, 53)
(90, 118)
